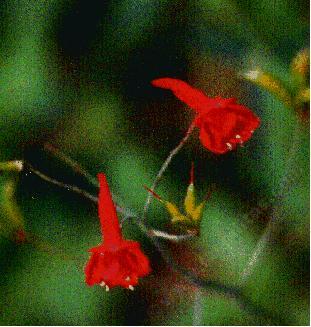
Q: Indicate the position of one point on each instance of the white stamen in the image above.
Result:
(127, 278)
(252, 131)
(107, 288)
(131, 287)
(102, 284)
(238, 136)
(229, 146)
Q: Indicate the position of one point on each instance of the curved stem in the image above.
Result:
(69, 187)
(71, 163)
(170, 237)
(275, 215)
(210, 285)
(197, 316)
(207, 285)
(166, 163)
(74, 189)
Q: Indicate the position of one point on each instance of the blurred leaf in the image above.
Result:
(270, 84)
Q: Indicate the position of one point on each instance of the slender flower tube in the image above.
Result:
(116, 262)
(223, 123)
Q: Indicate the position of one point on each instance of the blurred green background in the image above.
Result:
(77, 74)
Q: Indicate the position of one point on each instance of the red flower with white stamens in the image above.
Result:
(116, 262)
(223, 123)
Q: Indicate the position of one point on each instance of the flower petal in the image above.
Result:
(222, 129)
(117, 267)
(194, 98)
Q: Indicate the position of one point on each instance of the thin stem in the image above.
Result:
(75, 189)
(164, 167)
(76, 167)
(259, 249)
(170, 237)
(206, 285)
(275, 215)
(69, 187)
(70, 162)
(143, 228)
(197, 315)
(210, 285)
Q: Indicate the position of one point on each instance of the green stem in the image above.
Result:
(163, 168)
(275, 215)
(207, 286)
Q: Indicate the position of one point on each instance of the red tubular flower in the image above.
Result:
(116, 262)
(223, 123)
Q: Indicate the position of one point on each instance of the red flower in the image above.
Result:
(223, 123)
(116, 261)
